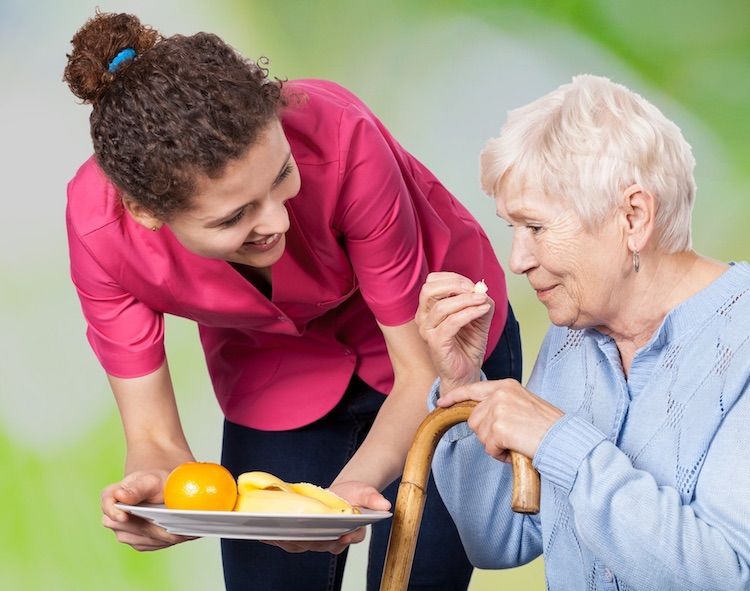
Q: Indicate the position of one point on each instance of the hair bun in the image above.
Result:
(96, 44)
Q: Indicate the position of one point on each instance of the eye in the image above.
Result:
(234, 219)
(534, 229)
(284, 173)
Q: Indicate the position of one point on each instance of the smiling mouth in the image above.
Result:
(263, 241)
(541, 292)
(266, 243)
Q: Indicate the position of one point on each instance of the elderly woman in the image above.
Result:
(635, 414)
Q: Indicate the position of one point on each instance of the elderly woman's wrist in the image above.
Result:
(448, 384)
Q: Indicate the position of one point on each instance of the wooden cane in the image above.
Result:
(412, 492)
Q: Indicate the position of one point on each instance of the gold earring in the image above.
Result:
(636, 261)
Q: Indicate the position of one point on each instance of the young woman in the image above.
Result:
(293, 228)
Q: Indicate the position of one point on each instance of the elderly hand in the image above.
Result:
(507, 418)
(359, 495)
(454, 321)
(143, 486)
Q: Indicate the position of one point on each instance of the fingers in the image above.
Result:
(331, 546)
(135, 488)
(353, 537)
(446, 317)
(360, 494)
(484, 420)
(372, 499)
(435, 290)
(478, 391)
(450, 316)
(140, 487)
(141, 534)
(507, 416)
(108, 501)
(446, 277)
(439, 286)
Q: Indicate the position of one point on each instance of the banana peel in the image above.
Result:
(261, 492)
(250, 481)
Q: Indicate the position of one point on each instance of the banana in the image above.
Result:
(326, 497)
(261, 492)
(250, 481)
(279, 501)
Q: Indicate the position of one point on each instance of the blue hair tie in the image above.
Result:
(125, 54)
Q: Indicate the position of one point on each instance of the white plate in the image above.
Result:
(254, 526)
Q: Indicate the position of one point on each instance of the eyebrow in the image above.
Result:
(520, 213)
(229, 216)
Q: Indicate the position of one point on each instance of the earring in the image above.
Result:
(636, 261)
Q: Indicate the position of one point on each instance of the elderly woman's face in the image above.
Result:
(575, 272)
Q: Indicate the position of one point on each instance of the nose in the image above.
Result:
(274, 219)
(522, 257)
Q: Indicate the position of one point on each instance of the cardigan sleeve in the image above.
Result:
(647, 535)
(477, 491)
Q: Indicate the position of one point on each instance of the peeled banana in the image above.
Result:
(261, 492)
(250, 481)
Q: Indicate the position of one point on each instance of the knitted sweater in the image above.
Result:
(645, 480)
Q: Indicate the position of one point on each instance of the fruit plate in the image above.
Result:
(254, 526)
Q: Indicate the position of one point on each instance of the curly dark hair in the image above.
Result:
(183, 107)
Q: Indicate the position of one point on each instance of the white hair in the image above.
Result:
(588, 141)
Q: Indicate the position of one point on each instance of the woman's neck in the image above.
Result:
(260, 277)
(662, 284)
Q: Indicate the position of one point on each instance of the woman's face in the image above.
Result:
(576, 273)
(240, 216)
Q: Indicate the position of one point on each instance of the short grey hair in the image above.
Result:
(588, 141)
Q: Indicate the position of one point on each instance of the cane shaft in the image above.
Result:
(526, 485)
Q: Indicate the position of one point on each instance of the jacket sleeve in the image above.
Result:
(378, 221)
(644, 532)
(126, 335)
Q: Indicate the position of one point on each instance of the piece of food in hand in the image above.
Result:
(261, 492)
(200, 486)
(480, 286)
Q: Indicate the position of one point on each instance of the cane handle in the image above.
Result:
(526, 484)
(407, 513)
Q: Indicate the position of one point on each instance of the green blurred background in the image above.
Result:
(441, 74)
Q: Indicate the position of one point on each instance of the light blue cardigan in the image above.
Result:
(645, 481)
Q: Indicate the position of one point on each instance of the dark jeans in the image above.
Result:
(316, 453)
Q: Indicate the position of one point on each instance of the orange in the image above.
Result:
(201, 486)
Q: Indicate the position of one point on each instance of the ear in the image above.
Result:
(640, 213)
(141, 214)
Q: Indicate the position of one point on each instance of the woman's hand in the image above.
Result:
(332, 546)
(507, 418)
(357, 494)
(454, 321)
(143, 486)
